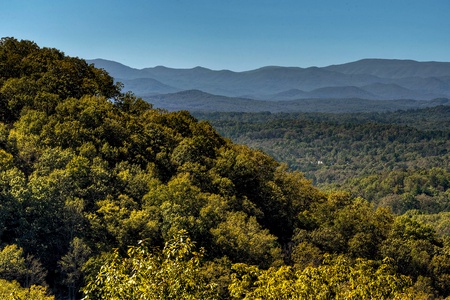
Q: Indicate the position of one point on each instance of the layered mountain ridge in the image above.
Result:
(372, 79)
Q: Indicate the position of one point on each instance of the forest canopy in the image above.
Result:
(102, 196)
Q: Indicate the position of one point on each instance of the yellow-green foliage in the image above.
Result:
(173, 274)
(11, 290)
(85, 169)
(337, 278)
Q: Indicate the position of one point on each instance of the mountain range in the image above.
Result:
(368, 79)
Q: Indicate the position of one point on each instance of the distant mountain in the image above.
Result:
(430, 85)
(391, 91)
(371, 79)
(341, 92)
(195, 100)
(198, 101)
(258, 83)
(147, 86)
(115, 69)
(393, 68)
(338, 92)
(288, 95)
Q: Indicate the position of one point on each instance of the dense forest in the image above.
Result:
(104, 197)
(377, 156)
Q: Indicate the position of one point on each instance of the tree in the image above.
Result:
(13, 290)
(241, 238)
(36, 78)
(337, 278)
(175, 273)
(71, 265)
(12, 263)
(120, 223)
(343, 224)
(180, 203)
(35, 273)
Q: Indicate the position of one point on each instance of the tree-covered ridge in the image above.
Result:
(429, 119)
(85, 177)
(398, 159)
(40, 78)
(331, 152)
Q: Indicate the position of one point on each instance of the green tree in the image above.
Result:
(12, 263)
(173, 274)
(13, 290)
(343, 224)
(120, 223)
(412, 245)
(35, 273)
(241, 238)
(180, 203)
(36, 78)
(71, 265)
(337, 278)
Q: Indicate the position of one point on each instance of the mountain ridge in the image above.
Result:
(199, 101)
(393, 68)
(372, 79)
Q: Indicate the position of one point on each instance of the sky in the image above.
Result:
(236, 35)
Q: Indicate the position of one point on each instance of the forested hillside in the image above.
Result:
(197, 101)
(386, 158)
(104, 197)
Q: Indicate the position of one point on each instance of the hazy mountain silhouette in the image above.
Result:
(393, 68)
(198, 101)
(147, 86)
(371, 79)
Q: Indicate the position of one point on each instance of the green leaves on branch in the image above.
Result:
(337, 278)
(175, 273)
(13, 290)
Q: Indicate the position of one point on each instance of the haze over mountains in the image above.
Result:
(204, 89)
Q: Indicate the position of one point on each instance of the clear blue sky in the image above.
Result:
(233, 34)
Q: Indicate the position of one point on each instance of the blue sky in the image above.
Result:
(233, 34)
